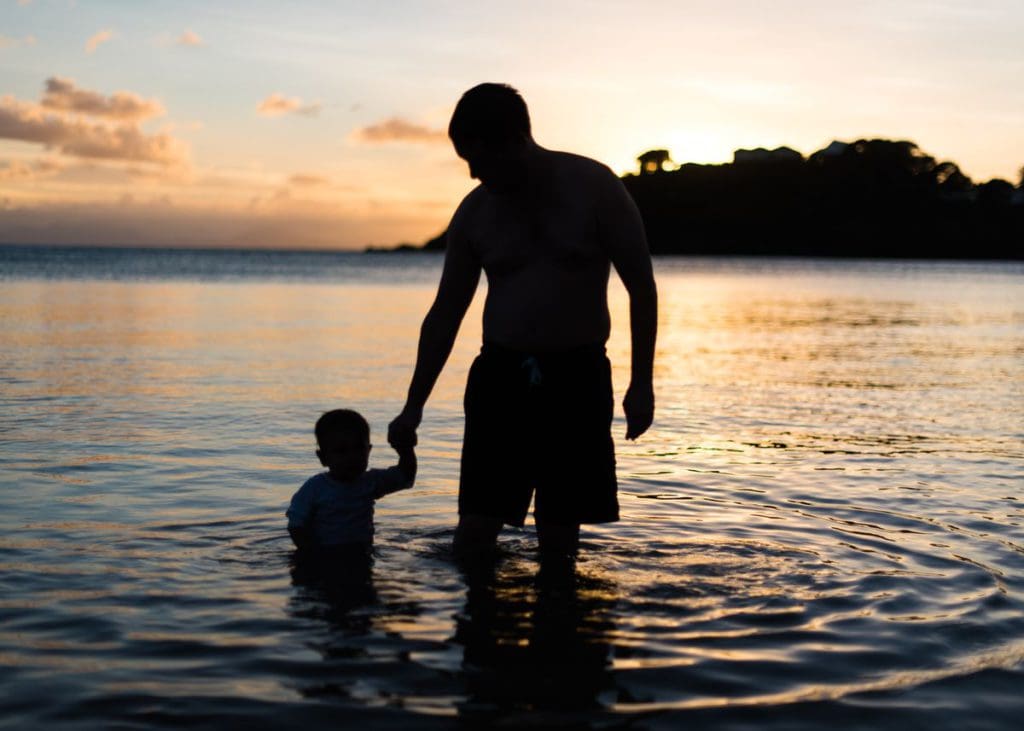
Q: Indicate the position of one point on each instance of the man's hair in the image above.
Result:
(341, 420)
(491, 113)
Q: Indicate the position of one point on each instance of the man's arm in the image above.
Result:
(458, 284)
(626, 243)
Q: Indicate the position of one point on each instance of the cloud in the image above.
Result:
(62, 94)
(98, 39)
(21, 170)
(308, 179)
(8, 42)
(75, 136)
(399, 130)
(189, 38)
(276, 105)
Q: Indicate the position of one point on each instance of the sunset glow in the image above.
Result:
(321, 125)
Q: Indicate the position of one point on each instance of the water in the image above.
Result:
(823, 529)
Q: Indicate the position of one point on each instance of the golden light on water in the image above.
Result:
(824, 511)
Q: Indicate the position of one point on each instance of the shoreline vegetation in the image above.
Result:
(872, 198)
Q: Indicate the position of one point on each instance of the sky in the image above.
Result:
(321, 124)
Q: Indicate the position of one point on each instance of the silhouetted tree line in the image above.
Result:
(871, 198)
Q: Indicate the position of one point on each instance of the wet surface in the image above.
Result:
(824, 528)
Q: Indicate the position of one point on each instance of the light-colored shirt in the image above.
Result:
(342, 512)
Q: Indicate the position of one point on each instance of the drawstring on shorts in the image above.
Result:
(534, 374)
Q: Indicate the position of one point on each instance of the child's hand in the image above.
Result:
(407, 463)
(402, 432)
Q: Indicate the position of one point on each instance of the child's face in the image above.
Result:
(346, 455)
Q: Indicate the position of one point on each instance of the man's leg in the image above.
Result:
(476, 535)
(558, 540)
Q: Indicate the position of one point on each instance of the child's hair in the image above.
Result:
(341, 420)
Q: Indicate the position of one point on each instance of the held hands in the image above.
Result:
(402, 430)
(639, 408)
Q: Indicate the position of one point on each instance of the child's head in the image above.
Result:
(343, 438)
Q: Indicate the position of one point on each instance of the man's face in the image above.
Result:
(500, 167)
(346, 455)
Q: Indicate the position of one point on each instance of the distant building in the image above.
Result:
(653, 161)
(760, 154)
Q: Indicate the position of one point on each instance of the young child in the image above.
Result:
(335, 508)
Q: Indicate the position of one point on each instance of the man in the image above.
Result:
(544, 226)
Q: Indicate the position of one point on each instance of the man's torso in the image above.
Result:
(547, 270)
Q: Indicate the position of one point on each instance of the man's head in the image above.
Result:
(343, 438)
(490, 129)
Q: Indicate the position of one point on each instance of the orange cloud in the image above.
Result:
(20, 170)
(276, 105)
(28, 122)
(8, 42)
(62, 94)
(399, 130)
(189, 38)
(308, 179)
(97, 40)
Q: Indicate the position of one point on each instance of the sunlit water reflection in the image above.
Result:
(825, 526)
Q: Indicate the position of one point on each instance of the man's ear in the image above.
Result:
(320, 457)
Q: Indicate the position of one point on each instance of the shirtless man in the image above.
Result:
(544, 226)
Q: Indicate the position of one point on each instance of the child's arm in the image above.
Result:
(407, 463)
(300, 516)
(401, 476)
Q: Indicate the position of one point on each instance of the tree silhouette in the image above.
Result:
(870, 198)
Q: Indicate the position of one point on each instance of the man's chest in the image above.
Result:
(563, 235)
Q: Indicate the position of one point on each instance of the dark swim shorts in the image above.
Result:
(539, 422)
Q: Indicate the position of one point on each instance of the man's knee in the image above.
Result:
(475, 533)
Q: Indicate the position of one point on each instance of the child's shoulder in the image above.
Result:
(315, 482)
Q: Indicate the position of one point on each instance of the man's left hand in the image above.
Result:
(639, 407)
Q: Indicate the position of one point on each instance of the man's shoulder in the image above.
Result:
(468, 209)
(472, 201)
(582, 165)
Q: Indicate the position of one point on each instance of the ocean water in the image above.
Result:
(823, 529)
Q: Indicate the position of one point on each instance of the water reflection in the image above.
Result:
(825, 521)
(331, 583)
(534, 640)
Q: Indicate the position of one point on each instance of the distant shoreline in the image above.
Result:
(417, 251)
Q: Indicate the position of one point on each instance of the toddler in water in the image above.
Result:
(335, 508)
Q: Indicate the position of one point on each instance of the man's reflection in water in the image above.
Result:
(534, 641)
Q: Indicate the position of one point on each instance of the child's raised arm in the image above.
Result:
(401, 476)
(407, 463)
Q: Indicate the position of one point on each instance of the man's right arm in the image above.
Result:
(458, 284)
